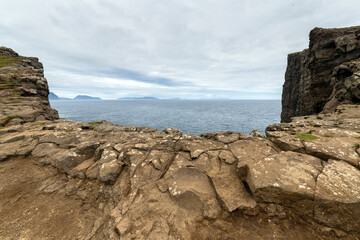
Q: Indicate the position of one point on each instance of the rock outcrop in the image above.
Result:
(62, 179)
(23, 90)
(324, 75)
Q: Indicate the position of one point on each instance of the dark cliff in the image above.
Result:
(312, 77)
(23, 90)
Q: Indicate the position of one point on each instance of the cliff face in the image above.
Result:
(23, 90)
(70, 180)
(311, 79)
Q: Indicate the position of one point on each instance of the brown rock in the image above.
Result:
(337, 196)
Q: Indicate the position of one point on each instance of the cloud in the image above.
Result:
(190, 49)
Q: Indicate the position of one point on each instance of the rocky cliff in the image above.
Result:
(323, 76)
(69, 180)
(23, 90)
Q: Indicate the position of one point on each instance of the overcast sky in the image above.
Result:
(188, 49)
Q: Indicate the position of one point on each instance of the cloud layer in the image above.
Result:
(187, 49)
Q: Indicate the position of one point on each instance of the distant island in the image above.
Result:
(85, 97)
(53, 96)
(138, 98)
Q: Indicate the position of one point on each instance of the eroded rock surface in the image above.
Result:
(146, 183)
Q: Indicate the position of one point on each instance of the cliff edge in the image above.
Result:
(324, 75)
(23, 90)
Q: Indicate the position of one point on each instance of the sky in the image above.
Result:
(188, 49)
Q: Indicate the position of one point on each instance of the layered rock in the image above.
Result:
(23, 90)
(327, 71)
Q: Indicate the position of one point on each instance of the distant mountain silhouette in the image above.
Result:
(53, 96)
(85, 97)
(138, 98)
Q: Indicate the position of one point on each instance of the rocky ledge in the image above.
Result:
(62, 179)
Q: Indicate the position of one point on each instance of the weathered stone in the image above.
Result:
(231, 190)
(334, 148)
(255, 133)
(45, 150)
(109, 171)
(337, 196)
(286, 178)
(227, 157)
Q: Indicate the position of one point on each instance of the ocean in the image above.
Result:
(189, 116)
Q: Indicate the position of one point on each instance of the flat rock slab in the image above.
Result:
(337, 196)
(334, 148)
(285, 178)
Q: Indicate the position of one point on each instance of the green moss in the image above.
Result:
(328, 135)
(306, 117)
(16, 95)
(96, 122)
(357, 146)
(318, 117)
(307, 137)
(7, 61)
(6, 120)
(8, 85)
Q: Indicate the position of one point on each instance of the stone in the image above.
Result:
(287, 178)
(256, 133)
(231, 190)
(109, 171)
(334, 148)
(337, 196)
(45, 150)
(227, 157)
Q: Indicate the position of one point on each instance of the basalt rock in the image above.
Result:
(324, 74)
(23, 90)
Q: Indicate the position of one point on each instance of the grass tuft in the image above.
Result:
(307, 137)
(96, 122)
(7, 61)
(6, 120)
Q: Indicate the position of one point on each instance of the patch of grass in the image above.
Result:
(96, 122)
(328, 135)
(307, 137)
(357, 146)
(7, 61)
(22, 104)
(306, 117)
(16, 95)
(318, 117)
(6, 120)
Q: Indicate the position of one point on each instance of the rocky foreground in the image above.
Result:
(61, 179)
(65, 180)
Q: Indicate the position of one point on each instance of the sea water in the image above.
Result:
(189, 116)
